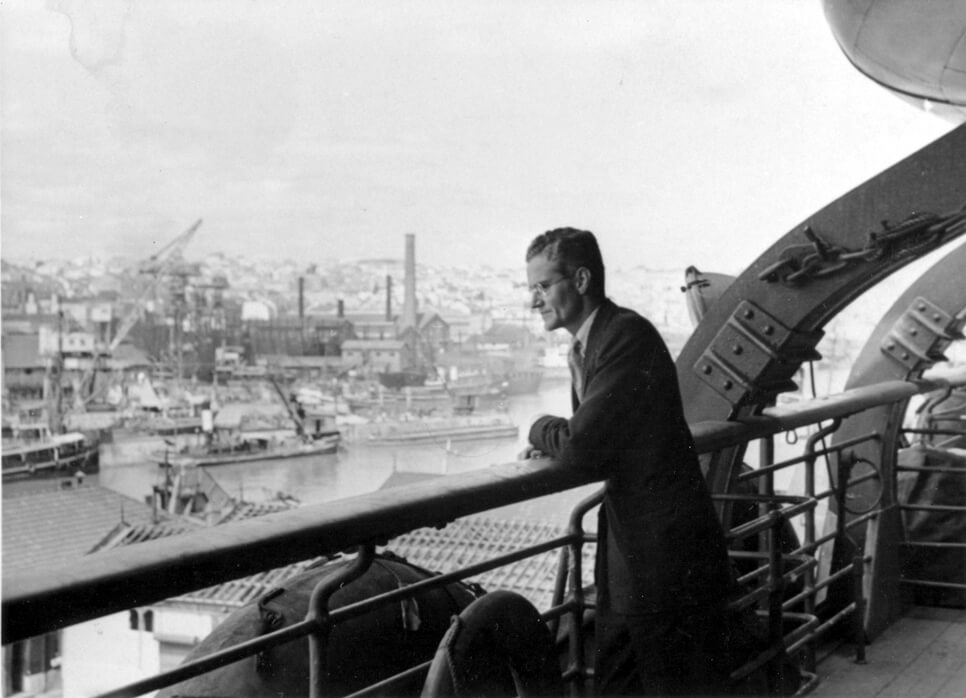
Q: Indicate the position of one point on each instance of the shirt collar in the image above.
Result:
(584, 331)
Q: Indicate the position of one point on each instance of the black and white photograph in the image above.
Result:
(424, 348)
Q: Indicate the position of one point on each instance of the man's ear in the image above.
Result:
(582, 279)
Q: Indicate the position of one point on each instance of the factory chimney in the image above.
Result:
(388, 298)
(409, 302)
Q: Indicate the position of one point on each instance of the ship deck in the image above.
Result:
(923, 655)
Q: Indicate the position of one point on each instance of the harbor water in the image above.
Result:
(130, 465)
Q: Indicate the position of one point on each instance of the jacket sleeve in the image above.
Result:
(616, 403)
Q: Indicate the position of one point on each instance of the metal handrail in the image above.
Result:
(47, 599)
(780, 609)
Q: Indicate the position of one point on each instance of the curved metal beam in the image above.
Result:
(751, 342)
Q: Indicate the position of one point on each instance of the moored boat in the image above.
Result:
(443, 430)
(60, 454)
(50, 455)
(30, 449)
(245, 448)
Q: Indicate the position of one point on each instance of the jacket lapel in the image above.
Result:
(597, 328)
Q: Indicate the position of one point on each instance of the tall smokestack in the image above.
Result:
(409, 303)
(388, 298)
(301, 298)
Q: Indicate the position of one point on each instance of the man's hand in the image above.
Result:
(530, 452)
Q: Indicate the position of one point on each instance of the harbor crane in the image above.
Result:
(158, 266)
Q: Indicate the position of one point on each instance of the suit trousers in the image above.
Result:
(680, 652)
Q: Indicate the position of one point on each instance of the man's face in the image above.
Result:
(554, 295)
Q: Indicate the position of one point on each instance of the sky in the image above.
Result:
(681, 132)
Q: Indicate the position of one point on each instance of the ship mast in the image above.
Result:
(53, 389)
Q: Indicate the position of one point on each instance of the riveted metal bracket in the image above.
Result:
(920, 335)
(754, 356)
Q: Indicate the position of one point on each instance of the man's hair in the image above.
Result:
(572, 248)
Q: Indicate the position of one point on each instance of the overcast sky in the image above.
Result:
(681, 132)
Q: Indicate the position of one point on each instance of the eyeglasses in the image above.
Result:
(541, 288)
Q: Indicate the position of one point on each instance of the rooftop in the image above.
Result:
(58, 525)
(474, 539)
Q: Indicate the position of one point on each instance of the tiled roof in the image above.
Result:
(58, 525)
(472, 540)
(462, 543)
(35, 525)
(229, 594)
(249, 510)
(128, 534)
(238, 592)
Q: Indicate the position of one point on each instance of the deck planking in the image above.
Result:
(923, 655)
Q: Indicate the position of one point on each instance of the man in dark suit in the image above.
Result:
(662, 570)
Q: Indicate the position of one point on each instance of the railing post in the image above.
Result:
(845, 463)
(811, 445)
(766, 488)
(577, 639)
(776, 597)
(319, 615)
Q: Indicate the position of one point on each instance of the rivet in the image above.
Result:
(769, 329)
(706, 369)
(937, 317)
(727, 385)
(890, 346)
(905, 355)
(737, 349)
(922, 306)
(913, 331)
(749, 313)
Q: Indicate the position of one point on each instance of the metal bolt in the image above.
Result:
(769, 329)
(727, 385)
(913, 331)
(706, 369)
(737, 349)
(749, 313)
(905, 355)
(921, 306)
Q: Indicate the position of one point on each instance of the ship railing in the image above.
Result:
(138, 575)
(939, 428)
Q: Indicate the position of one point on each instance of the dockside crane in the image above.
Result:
(158, 266)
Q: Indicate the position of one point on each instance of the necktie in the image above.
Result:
(575, 359)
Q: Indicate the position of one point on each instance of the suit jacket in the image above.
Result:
(660, 543)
